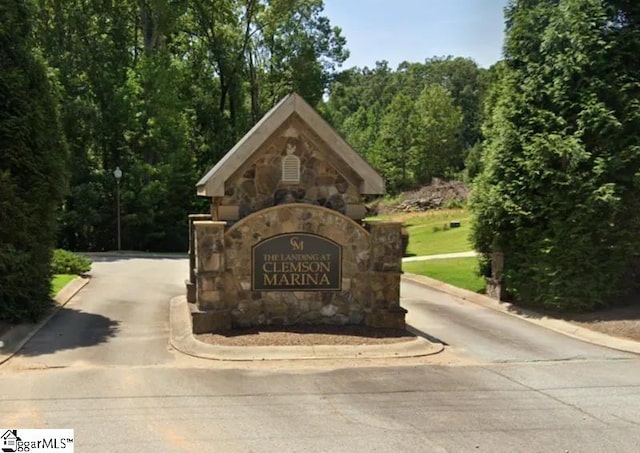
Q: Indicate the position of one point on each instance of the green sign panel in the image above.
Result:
(296, 262)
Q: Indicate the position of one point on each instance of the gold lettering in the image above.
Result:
(295, 268)
(296, 279)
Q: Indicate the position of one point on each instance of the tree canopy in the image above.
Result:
(415, 123)
(163, 89)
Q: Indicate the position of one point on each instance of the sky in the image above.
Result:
(414, 30)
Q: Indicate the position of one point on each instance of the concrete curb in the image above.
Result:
(13, 340)
(557, 325)
(181, 338)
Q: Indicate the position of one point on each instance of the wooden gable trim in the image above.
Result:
(212, 183)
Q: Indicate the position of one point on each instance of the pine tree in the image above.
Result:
(32, 170)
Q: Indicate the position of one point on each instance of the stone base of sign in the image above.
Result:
(210, 321)
(191, 291)
(393, 318)
(369, 284)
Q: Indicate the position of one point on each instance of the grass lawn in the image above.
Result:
(460, 272)
(59, 281)
(427, 233)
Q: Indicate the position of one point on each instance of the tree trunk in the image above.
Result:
(255, 93)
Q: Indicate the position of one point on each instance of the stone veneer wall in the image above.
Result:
(258, 184)
(371, 268)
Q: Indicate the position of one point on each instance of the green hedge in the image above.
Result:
(65, 262)
(559, 193)
(33, 160)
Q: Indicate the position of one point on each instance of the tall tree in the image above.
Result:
(560, 189)
(33, 161)
(298, 49)
(392, 151)
(437, 124)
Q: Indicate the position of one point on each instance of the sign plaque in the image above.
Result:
(296, 262)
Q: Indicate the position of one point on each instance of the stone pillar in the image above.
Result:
(385, 272)
(210, 313)
(191, 283)
(493, 287)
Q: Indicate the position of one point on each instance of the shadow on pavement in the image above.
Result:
(425, 335)
(71, 329)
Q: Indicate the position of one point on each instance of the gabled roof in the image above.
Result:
(212, 184)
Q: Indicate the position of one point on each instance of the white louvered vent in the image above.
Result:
(291, 169)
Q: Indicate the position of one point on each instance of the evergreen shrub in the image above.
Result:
(65, 262)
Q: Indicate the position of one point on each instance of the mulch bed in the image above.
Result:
(307, 336)
(621, 322)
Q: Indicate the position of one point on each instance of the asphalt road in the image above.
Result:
(103, 367)
(481, 333)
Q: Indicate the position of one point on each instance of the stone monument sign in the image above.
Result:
(285, 242)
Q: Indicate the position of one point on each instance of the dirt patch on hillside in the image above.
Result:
(308, 336)
(436, 195)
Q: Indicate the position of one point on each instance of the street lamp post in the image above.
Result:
(118, 174)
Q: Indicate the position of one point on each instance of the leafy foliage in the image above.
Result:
(32, 170)
(65, 262)
(163, 89)
(412, 124)
(560, 189)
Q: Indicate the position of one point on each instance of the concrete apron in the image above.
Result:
(182, 339)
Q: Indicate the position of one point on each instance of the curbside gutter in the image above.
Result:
(557, 325)
(182, 339)
(13, 340)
